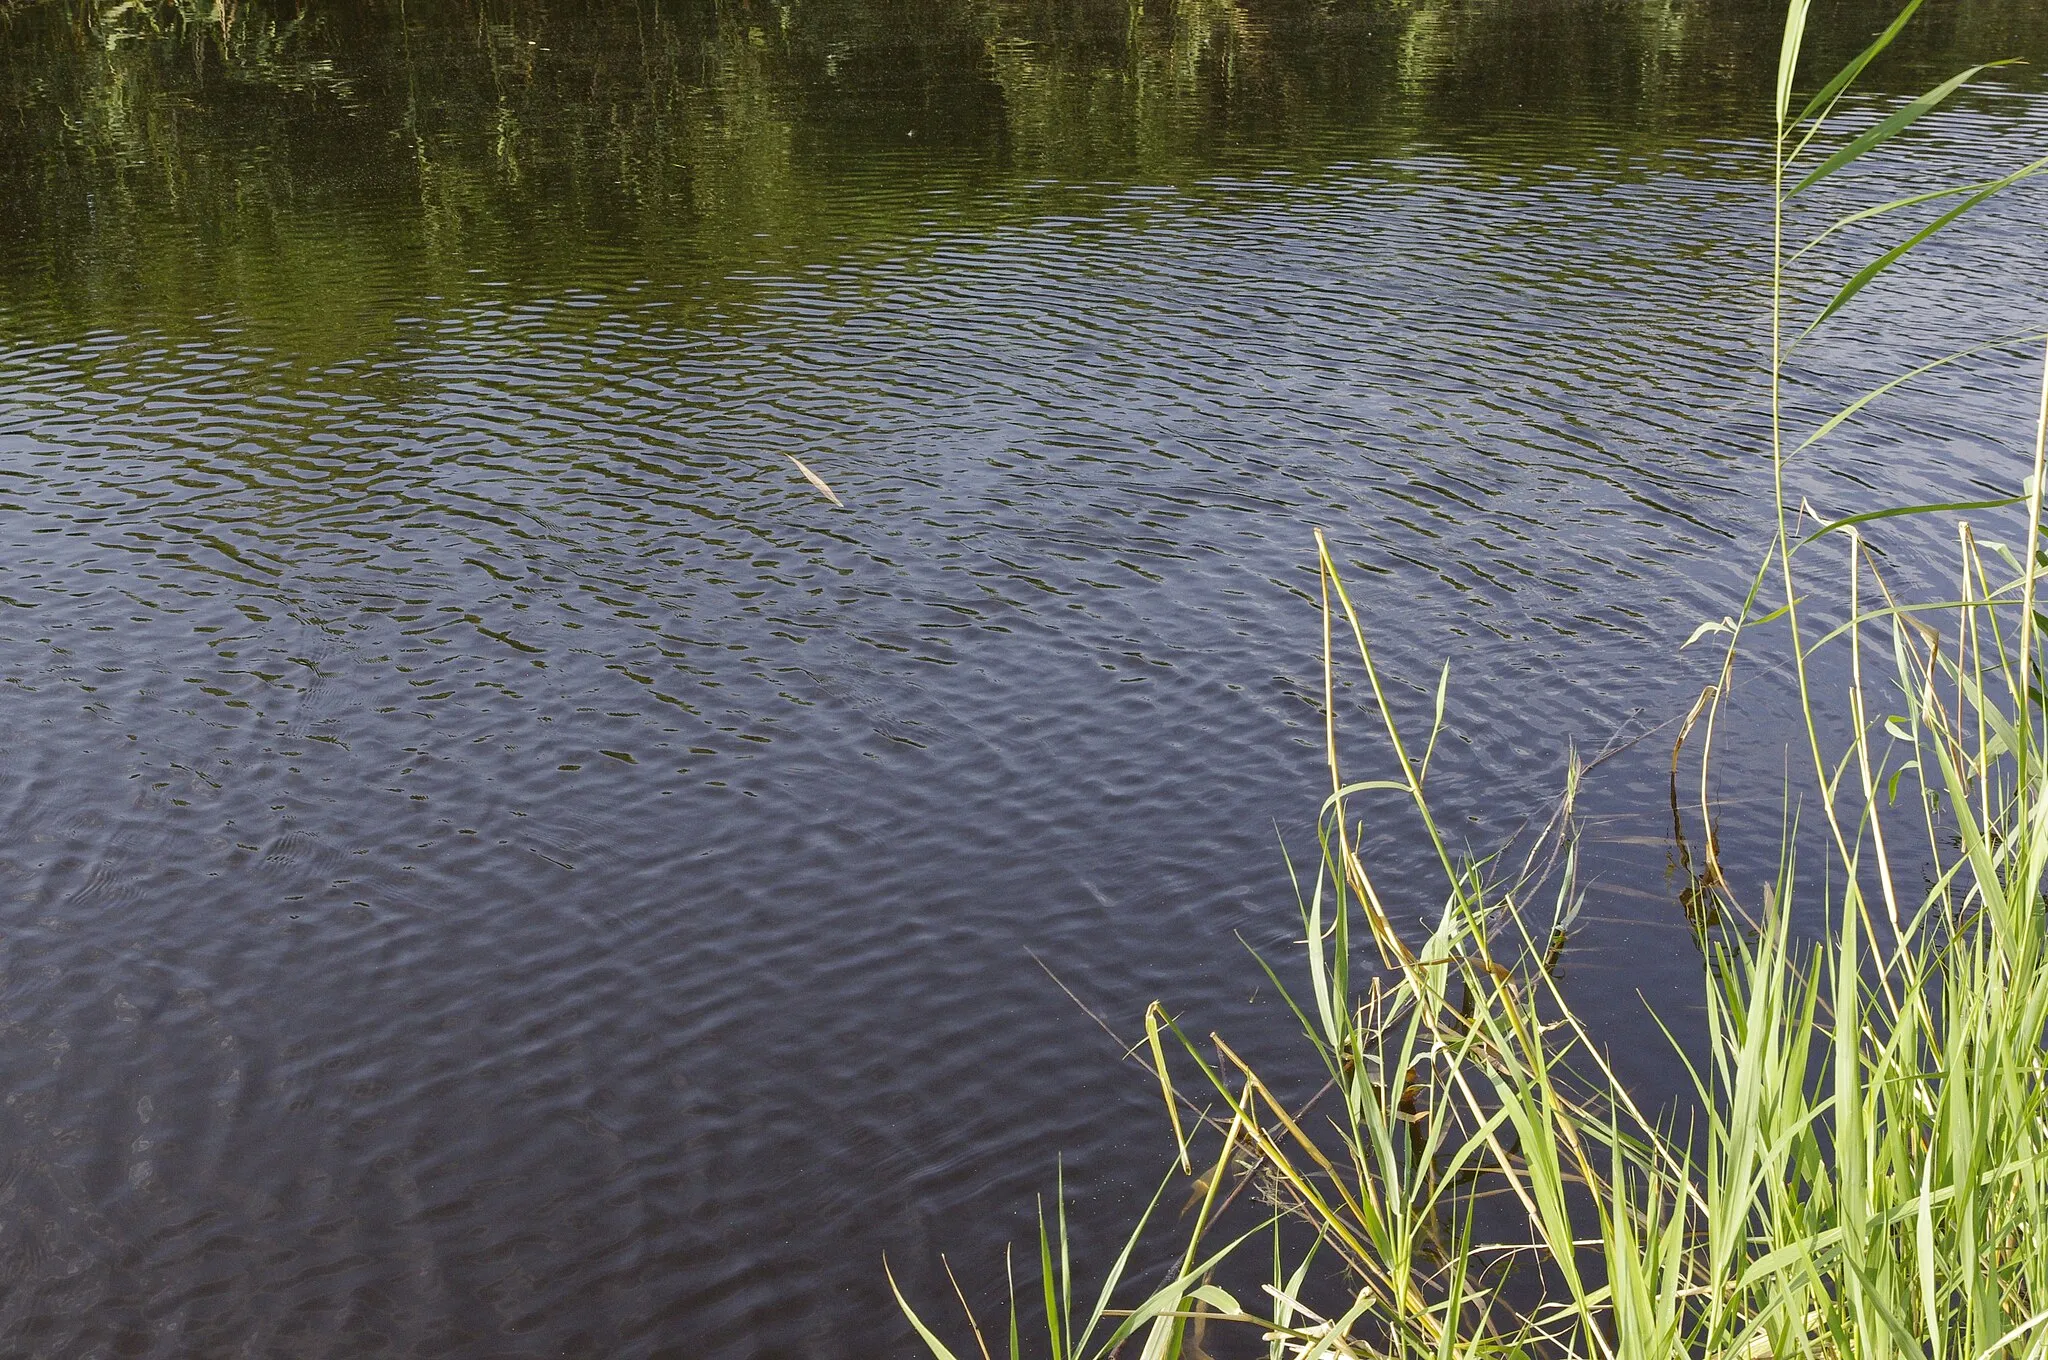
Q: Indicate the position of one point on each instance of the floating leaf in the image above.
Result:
(815, 480)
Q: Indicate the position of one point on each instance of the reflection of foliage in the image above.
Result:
(253, 47)
(123, 86)
(158, 149)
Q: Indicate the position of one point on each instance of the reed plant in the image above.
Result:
(1861, 1168)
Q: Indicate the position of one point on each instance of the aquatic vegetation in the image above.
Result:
(1863, 1166)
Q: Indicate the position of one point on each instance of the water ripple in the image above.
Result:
(495, 863)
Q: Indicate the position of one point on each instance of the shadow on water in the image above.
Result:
(493, 862)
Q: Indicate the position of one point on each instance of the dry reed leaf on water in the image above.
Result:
(815, 480)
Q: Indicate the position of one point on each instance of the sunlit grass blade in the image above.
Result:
(924, 1333)
(1914, 200)
(1897, 511)
(1848, 412)
(1847, 75)
(1863, 276)
(1794, 37)
(1889, 127)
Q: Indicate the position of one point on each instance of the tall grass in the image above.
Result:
(1862, 1169)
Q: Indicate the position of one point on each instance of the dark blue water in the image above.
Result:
(496, 864)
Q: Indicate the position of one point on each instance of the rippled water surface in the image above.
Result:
(494, 863)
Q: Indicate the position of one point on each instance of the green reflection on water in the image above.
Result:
(326, 173)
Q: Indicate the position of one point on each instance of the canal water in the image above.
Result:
(494, 862)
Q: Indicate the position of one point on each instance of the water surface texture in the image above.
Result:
(493, 863)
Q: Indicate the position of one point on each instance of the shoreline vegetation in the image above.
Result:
(1862, 1166)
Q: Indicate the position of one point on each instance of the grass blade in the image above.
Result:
(1788, 54)
(1889, 127)
(1848, 74)
(1891, 257)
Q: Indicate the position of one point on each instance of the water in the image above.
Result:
(495, 864)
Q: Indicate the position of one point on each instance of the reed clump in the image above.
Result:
(1862, 1167)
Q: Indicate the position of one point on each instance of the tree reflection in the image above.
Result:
(307, 164)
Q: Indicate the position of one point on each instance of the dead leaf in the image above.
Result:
(815, 480)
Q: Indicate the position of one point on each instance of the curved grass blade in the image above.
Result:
(925, 1334)
(2025, 172)
(1854, 69)
(1898, 122)
(1828, 426)
(1153, 1014)
(1891, 257)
